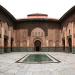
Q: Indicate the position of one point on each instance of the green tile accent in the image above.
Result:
(43, 49)
(73, 50)
(1, 50)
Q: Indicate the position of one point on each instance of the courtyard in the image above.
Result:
(9, 66)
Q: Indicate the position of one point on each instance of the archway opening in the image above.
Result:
(63, 43)
(70, 44)
(11, 44)
(37, 45)
(5, 43)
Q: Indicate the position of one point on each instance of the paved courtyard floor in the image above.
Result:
(9, 67)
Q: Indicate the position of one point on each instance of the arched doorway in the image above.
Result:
(37, 45)
(5, 43)
(63, 43)
(11, 44)
(70, 44)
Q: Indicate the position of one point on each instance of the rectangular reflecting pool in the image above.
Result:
(38, 58)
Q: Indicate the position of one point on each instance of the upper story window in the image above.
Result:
(25, 33)
(50, 43)
(57, 43)
(37, 32)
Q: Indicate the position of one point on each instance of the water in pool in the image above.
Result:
(38, 58)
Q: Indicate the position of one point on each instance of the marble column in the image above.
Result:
(28, 43)
(66, 41)
(47, 43)
(14, 49)
(14, 36)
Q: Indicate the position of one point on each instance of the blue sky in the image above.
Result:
(21, 8)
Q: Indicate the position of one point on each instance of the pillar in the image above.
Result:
(28, 43)
(47, 43)
(66, 45)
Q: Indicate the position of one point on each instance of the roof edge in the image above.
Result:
(7, 13)
(37, 14)
(67, 14)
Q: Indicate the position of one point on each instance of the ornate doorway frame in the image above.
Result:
(37, 45)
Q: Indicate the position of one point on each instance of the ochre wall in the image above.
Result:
(54, 35)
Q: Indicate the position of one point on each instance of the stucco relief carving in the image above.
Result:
(38, 34)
